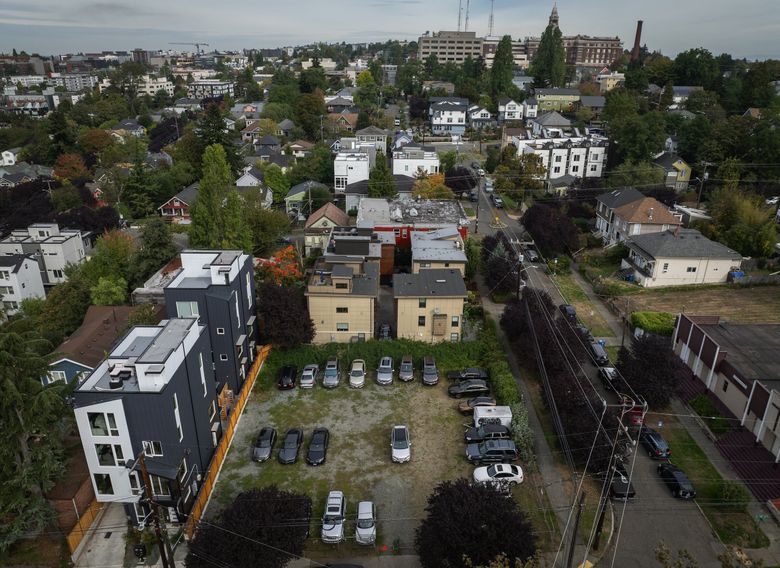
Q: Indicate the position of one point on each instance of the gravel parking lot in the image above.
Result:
(358, 461)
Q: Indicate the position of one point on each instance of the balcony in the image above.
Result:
(645, 269)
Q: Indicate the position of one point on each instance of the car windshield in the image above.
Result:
(331, 372)
(406, 366)
(399, 440)
(290, 442)
(265, 442)
(357, 372)
(365, 523)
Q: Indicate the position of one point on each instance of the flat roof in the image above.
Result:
(437, 282)
(167, 341)
(407, 211)
(753, 349)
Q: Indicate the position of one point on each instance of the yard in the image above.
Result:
(359, 421)
(586, 311)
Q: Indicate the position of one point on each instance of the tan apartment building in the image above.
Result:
(442, 248)
(450, 47)
(342, 297)
(429, 305)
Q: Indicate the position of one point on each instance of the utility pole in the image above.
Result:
(166, 554)
(322, 137)
(573, 542)
(703, 178)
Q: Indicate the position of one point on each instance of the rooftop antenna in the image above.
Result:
(490, 21)
(466, 27)
(460, 12)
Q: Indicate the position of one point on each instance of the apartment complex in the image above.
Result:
(218, 288)
(450, 47)
(210, 88)
(429, 305)
(54, 248)
(350, 166)
(20, 279)
(442, 248)
(155, 395)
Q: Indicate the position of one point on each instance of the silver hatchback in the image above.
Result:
(384, 373)
(332, 375)
(309, 376)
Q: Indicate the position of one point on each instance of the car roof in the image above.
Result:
(310, 367)
(501, 443)
(335, 495)
(365, 507)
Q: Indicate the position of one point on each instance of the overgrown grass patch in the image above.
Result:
(706, 409)
(586, 310)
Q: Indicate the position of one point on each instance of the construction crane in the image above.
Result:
(198, 50)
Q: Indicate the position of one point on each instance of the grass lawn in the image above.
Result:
(469, 212)
(358, 461)
(40, 551)
(732, 525)
(586, 311)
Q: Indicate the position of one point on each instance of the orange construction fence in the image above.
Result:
(223, 446)
(83, 523)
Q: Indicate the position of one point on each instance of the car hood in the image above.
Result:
(330, 381)
(287, 454)
(402, 453)
(472, 450)
(316, 455)
(366, 534)
(332, 529)
(261, 453)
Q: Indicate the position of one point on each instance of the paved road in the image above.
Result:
(654, 515)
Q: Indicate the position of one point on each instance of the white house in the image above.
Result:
(372, 136)
(413, 158)
(530, 107)
(54, 249)
(509, 110)
(250, 178)
(9, 157)
(20, 278)
(350, 167)
(479, 117)
(448, 115)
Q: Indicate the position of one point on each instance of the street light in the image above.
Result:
(701, 181)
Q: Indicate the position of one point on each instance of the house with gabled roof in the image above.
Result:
(509, 110)
(285, 127)
(677, 171)
(298, 196)
(319, 224)
(642, 217)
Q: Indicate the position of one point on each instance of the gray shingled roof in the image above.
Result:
(553, 119)
(685, 243)
(596, 101)
(619, 197)
(428, 283)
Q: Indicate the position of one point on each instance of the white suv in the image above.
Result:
(333, 519)
(365, 531)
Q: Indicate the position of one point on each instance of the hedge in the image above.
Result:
(660, 323)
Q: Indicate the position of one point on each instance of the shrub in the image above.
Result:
(522, 434)
(509, 203)
(503, 383)
(704, 407)
(660, 323)
(733, 495)
(562, 266)
(616, 254)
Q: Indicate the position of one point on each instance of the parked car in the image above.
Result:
(469, 373)
(486, 432)
(365, 528)
(385, 332)
(488, 185)
(309, 376)
(384, 373)
(332, 376)
(264, 444)
(568, 311)
(492, 451)
(654, 443)
(609, 378)
(676, 480)
(291, 444)
(406, 370)
(287, 376)
(468, 387)
(397, 122)
(497, 201)
(476, 165)
(318, 447)
(400, 444)
(357, 374)
(333, 519)
(473, 196)
(584, 332)
(430, 374)
(499, 474)
(468, 406)
(530, 255)
(598, 353)
(621, 488)
(481, 172)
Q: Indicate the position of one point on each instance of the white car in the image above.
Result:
(773, 200)
(400, 444)
(309, 376)
(384, 373)
(333, 519)
(357, 374)
(365, 529)
(499, 473)
(488, 186)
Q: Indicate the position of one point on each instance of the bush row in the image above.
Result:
(660, 323)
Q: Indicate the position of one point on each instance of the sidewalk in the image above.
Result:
(104, 545)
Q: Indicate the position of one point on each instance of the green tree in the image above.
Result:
(111, 257)
(156, 249)
(667, 96)
(636, 174)
(211, 130)
(695, 67)
(380, 180)
(432, 187)
(65, 198)
(277, 181)
(309, 111)
(64, 309)
(277, 112)
(740, 222)
(447, 161)
(317, 166)
(548, 67)
(265, 226)
(207, 227)
(235, 233)
(312, 79)
(31, 456)
(109, 292)
(502, 71)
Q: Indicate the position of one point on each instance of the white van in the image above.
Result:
(493, 415)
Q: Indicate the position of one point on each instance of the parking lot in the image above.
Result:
(360, 421)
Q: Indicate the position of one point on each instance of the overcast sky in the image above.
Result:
(745, 29)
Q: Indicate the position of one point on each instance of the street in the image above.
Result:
(654, 515)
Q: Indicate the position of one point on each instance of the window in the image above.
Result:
(454, 336)
(342, 327)
(135, 486)
(5, 275)
(109, 455)
(102, 424)
(159, 485)
(152, 448)
(55, 376)
(576, 157)
(665, 268)
(202, 373)
(4, 290)
(57, 273)
(556, 170)
(593, 168)
(690, 269)
(575, 169)
(187, 309)
(220, 331)
(342, 286)
(725, 385)
(223, 357)
(238, 314)
(342, 310)
(421, 321)
(397, 232)
(248, 287)
(103, 484)
(340, 182)
(557, 159)
(422, 302)
(455, 321)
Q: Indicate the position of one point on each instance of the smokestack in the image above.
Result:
(637, 41)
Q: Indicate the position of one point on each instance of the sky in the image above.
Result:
(743, 29)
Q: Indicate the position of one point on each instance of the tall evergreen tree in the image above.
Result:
(207, 228)
(501, 72)
(235, 233)
(549, 65)
(380, 180)
(211, 130)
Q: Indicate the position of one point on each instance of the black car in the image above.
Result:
(486, 432)
(318, 447)
(264, 444)
(470, 373)
(385, 332)
(469, 387)
(530, 255)
(473, 196)
(598, 353)
(492, 451)
(584, 332)
(621, 488)
(287, 377)
(568, 311)
(293, 439)
(654, 443)
(676, 480)
(609, 378)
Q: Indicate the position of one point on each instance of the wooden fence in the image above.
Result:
(79, 530)
(207, 487)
